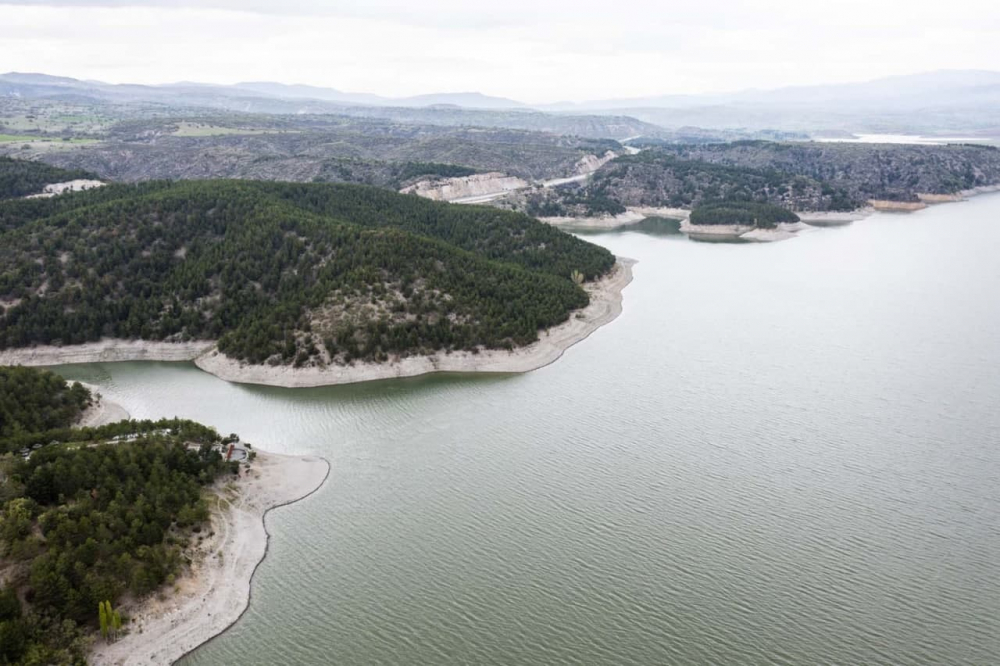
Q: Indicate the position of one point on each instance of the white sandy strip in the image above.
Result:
(609, 222)
(781, 232)
(834, 218)
(54, 189)
(101, 412)
(108, 350)
(215, 592)
(812, 218)
(605, 305)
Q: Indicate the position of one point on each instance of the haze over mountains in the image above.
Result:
(947, 100)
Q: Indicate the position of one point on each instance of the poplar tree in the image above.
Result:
(103, 612)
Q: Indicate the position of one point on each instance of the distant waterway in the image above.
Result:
(781, 453)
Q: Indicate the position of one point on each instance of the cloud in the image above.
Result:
(537, 51)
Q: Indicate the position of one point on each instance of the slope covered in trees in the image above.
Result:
(658, 178)
(20, 178)
(33, 400)
(277, 272)
(764, 216)
(798, 176)
(861, 171)
(84, 521)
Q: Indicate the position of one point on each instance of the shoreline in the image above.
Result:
(215, 592)
(783, 232)
(101, 412)
(108, 350)
(605, 306)
(612, 222)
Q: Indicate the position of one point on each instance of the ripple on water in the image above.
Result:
(781, 454)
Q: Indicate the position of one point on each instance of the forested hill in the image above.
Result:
(20, 178)
(282, 273)
(798, 176)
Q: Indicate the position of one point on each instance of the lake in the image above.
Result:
(780, 453)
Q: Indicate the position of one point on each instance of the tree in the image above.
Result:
(103, 612)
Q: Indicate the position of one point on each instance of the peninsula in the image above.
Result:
(294, 284)
(173, 561)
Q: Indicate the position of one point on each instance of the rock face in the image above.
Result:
(477, 186)
(591, 163)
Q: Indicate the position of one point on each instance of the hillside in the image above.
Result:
(895, 172)
(318, 149)
(796, 176)
(283, 273)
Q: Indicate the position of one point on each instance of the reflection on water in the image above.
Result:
(652, 226)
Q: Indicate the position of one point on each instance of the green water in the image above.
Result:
(779, 453)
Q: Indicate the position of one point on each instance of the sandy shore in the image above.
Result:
(896, 206)
(781, 232)
(605, 305)
(609, 222)
(214, 593)
(830, 218)
(55, 189)
(106, 351)
(101, 412)
(784, 232)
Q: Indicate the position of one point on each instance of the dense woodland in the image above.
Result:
(33, 401)
(85, 521)
(283, 273)
(763, 216)
(20, 178)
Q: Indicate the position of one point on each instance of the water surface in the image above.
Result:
(779, 453)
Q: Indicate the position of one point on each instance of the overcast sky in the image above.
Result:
(532, 50)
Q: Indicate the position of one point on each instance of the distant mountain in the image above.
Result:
(926, 88)
(301, 91)
(251, 89)
(40, 79)
(943, 102)
(933, 102)
(465, 109)
(469, 100)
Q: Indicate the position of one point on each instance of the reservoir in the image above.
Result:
(779, 453)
